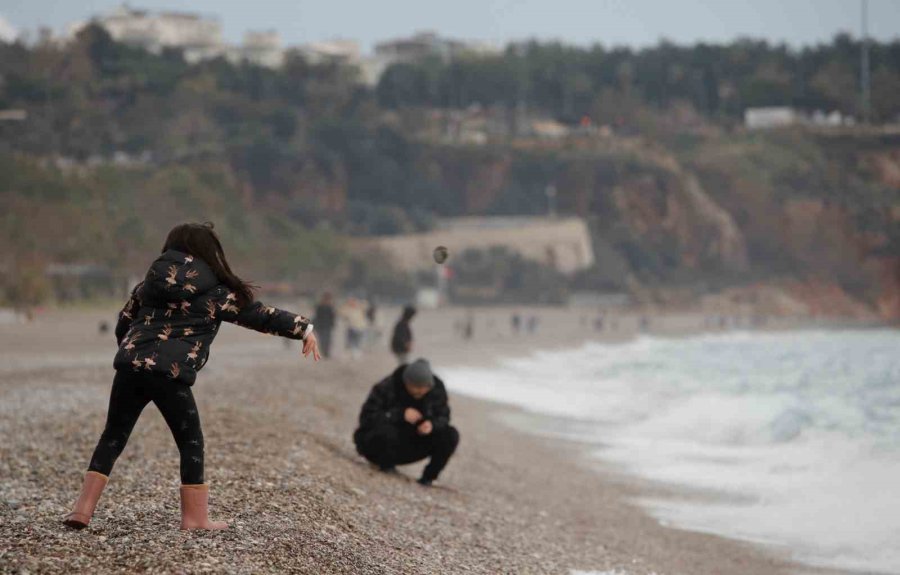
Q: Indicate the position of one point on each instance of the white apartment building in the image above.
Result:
(262, 48)
(198, 36)
(771, 117)
(428, 44)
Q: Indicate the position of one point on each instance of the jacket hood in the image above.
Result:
(177, 276)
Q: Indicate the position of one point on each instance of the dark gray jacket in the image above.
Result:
(389, 399)
(172, 317)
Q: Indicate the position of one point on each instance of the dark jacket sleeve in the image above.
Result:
(439, 408)
(126, 316)
(379, 407)
(260, 317)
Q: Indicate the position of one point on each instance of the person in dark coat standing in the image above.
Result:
(324, 319)
(402, 339)
(405, 419)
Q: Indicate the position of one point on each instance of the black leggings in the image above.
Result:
(131, 392)
(388, 444)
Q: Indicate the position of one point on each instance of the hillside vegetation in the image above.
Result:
(120, 143)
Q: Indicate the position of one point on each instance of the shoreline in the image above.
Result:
(283, 469)
(672, 503)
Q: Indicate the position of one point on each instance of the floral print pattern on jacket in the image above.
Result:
(172, 317)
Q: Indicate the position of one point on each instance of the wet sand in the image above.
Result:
(283, 470)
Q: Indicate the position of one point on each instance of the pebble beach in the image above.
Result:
(283, 471)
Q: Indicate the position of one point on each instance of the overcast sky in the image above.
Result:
(610, 22)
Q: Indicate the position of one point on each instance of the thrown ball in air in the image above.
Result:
(441, 254)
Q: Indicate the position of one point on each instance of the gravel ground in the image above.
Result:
(283, 471)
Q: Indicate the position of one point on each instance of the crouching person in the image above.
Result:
(406, 419)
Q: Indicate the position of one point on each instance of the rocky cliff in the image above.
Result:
(811, 215)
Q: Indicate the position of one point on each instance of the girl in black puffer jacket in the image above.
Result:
(164, 334)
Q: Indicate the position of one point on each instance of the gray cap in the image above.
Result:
(418, 374)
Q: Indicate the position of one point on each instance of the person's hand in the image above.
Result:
(425, 428)
(412, 415)
(311, 346)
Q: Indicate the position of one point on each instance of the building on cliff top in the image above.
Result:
(198, 36)
(784, 117)
(562, 243)
(423, 45)
(418, 47)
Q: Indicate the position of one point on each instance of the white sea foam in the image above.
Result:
(799, 432)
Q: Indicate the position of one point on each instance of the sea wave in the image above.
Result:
(798, 433)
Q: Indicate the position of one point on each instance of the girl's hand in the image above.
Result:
(311, 345)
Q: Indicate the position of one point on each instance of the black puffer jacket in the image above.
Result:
(173, 316)
(389, 399)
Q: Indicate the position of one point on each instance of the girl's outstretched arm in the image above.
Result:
(260, 317)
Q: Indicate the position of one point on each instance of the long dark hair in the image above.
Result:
(199, 240)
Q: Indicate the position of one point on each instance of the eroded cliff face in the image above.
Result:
(889, 300)
(811, 226)
(825, 219)
(487, 181)
(470, 181)
(886, 166)
(790, 298)
(675, 210)
(658, 206)
(888, 258)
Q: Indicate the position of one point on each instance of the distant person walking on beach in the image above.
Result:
(405, 419)
(373, 334)
(164, 334)
(371, 312)
(354, 316)
(324, 320)
(402, 338)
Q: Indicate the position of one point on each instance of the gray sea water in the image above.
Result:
(795, 435)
